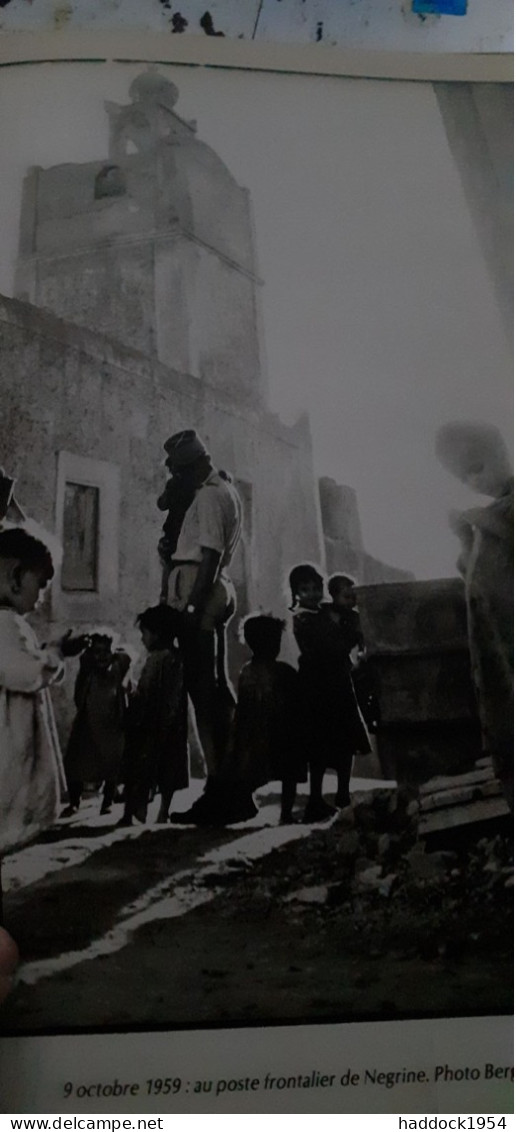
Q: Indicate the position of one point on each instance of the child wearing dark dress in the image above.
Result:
(333, 726)
(96, 745)
(266, 745)
(157, 743)
(343, 610)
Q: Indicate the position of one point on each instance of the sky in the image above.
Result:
(379, 312)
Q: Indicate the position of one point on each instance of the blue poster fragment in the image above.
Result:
(440, 7)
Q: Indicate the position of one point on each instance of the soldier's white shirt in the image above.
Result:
(213, 521)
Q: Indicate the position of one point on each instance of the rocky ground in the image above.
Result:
(359, 919)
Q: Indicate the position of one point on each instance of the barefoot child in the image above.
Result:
(30, 760)
(333, 727)
(157, 752)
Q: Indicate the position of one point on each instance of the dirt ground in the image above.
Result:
(291, 935)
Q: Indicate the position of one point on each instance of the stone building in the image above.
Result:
(137, 313)
(153, 247)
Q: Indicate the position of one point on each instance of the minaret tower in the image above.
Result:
(153, 246)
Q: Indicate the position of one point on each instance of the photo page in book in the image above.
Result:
(255, 548)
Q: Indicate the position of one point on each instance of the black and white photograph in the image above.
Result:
(256, 573)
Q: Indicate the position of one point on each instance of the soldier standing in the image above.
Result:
(200, 589)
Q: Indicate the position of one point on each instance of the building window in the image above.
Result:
(110, 182)
(87, 525)
(79, 570)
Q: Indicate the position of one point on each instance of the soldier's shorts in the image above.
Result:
(221, 603)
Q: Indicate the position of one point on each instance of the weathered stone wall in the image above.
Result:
(166, 264)
(417, 642)
(343, 542)
(374, 572)
(66, 389)
(341, 526)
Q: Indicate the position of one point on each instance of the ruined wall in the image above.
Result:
(67, 390)
(375, 572)
(417, 642)
(341, 526)
(343, 542)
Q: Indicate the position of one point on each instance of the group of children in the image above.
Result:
(121, 734)
(138, 737)
(292, 721)
(331, 646)
(286, 721)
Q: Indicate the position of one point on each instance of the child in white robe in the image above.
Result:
(30, 760)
